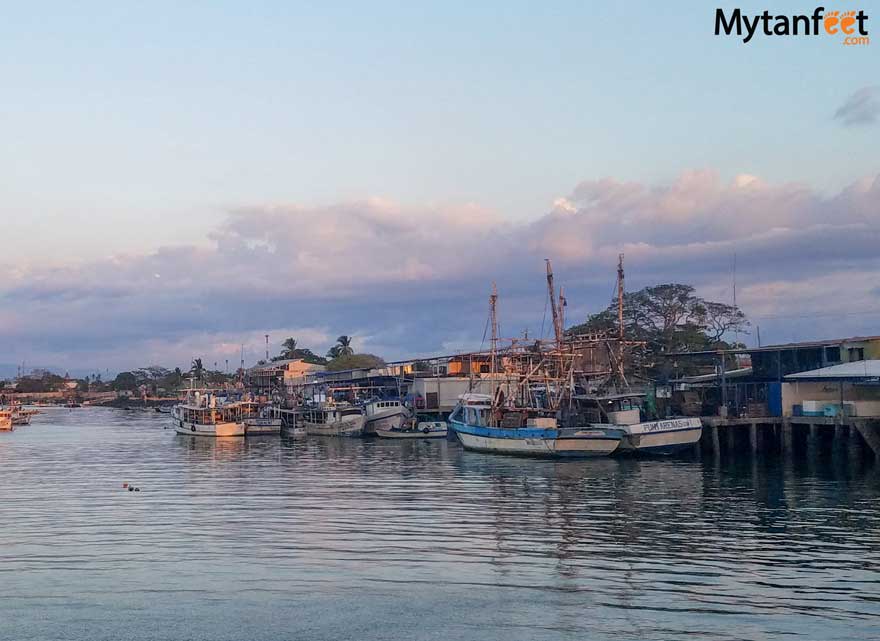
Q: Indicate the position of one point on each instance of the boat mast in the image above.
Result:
(557, 329)
(563, 303)
(620, 297)
(493, 319)
(620, 327)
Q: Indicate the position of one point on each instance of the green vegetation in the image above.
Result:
(354, 361)
(342, 348)
(669, 318)
(290, 351)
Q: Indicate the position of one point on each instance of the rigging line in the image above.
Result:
(485, 331)
(544, 319)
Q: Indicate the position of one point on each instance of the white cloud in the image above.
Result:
(413, 280)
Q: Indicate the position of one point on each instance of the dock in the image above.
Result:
(777, 435)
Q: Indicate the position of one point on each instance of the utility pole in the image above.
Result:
(267, 348)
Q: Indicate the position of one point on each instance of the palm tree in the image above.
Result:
(288, 348)
(197, 369)
(343, 346)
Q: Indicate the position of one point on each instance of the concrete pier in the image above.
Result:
(821, 435)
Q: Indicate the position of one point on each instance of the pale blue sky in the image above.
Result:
(128, 125)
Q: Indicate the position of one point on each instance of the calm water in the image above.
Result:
(345, 539)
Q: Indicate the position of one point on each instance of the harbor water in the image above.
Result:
(270, 539)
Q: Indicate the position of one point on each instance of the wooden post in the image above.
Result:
(753, 436)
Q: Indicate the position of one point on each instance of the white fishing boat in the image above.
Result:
(384, 415)
(414, 429)
(210, 415)
(6, 424)
(483, 427)
(624, 412)
(333, 420)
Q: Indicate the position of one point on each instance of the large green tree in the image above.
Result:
(669, 318)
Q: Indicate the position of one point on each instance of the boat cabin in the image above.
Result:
(615, 409)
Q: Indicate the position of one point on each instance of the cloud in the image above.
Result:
(861, 108)
(413, 280)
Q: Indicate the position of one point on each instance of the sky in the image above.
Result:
(179, 179)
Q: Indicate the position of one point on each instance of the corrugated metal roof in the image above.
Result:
(854, 370)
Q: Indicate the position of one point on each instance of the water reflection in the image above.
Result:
(272, 539)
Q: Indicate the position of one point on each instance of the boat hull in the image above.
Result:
(257, 426)
(348, 426)
(212, 429)
(661, 437)
(547, 443)
(384, 422)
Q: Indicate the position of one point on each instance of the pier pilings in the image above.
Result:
(858, 438)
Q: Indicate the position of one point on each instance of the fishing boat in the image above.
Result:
(624, 412)
(415, 429)
(20, 415)
(483, 426)
(333, 420)
(211, 415)
(263, 423)
(384, 415)
(6, 424)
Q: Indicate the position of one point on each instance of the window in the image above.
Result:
(856, 354)
(832, 354)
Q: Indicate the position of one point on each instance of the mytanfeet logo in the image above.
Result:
(849, 26)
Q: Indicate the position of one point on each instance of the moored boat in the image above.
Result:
(333, 420)
(413, 429)
(384, 415)
(661, 437)
(208, 415)
(20, 415)
(481, 427)
(262, 424)
(623, 411)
